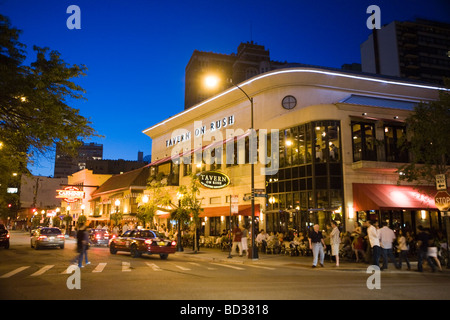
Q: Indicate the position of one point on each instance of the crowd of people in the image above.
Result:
(369, 243)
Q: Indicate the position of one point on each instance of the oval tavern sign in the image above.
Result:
(214, 179)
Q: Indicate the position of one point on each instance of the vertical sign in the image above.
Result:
(234, 204)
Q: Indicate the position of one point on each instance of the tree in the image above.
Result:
(35, 115)
(189, 205)
(155, 199)
(429, 141)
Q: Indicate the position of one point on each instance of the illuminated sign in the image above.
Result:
(70, 194)
(214, 179)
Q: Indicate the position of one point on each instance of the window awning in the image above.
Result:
(244, 210)
(392, 197)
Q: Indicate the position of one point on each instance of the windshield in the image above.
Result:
(50, 231)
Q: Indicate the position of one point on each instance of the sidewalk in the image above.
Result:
(276, 260)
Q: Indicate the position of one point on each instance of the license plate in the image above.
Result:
(51, 238)
(161, 243)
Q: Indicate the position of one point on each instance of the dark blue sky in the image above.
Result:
(136, 51)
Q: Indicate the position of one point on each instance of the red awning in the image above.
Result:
(244, 210)
(392, 197)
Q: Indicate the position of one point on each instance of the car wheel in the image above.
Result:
(7, 245)
(163, 256)
(134, 251)
(112, 248)
(61, 246)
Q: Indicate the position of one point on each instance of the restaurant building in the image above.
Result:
(331, 152)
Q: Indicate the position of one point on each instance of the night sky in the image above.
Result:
(136, 51)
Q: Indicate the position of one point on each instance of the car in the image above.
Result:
(47, 237)
(99, 237)
(4, 237)
(142, 241)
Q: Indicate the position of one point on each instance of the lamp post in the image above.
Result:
(211, 81)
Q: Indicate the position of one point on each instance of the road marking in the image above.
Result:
(126, 267)
(153, 266)
(261, 267)
(67, 270)
(198, 265)
(228, 266)
(10, 274)
(99, 267)
(42, 270)
(182, 268)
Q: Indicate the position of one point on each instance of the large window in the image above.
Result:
(364, 148)
(395, 139)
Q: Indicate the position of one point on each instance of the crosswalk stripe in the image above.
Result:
(126, 267)
(42, 270)
(153, 266)
(10, 274)
(99, 267)
(228, 266)
(261, 267)
(182, 268)
(198, 265)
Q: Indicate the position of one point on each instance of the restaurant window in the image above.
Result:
(363, 139)
(187, 167)
(395, 140)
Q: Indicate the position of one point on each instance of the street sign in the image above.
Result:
(441, 182)
(442, 200)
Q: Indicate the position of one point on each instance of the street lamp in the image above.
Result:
(214, 81)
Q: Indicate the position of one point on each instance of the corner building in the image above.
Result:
(337, 151)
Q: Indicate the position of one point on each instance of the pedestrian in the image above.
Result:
(317, 245)
(237, 237)
(244, 240)
(335, 241)
(387, 237)
(82, 245)
(422, 249)
(433, 252)
(374, 241)
(403, 249)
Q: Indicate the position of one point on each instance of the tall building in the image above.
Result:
(416, 50)
(66, 165)
(251, 59)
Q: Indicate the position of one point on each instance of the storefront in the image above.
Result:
(318, 132)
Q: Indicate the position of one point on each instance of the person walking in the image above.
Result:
(244, 240)
(237, 238)
(387, 237)
(403, 249)
(82, 245)
(422, 249)
(372, 234)
(335, 241)
(317, 245)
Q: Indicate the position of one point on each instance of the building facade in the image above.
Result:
(331, 136)
(417, 50)
(65, 165)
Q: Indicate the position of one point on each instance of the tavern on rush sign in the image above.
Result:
(213, 179)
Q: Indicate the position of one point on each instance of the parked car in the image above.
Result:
(47, 237)
(138, 242)
(4, 237)
(99, 237)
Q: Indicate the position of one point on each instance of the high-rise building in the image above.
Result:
(251, 59)
(416, 50)
(66, 165)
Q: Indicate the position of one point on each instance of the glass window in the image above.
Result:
(363, 136)
(395, 139)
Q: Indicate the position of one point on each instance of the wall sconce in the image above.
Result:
(351, 213)
(423, 214)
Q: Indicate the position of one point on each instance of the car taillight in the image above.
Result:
(42, 237)
(7, 235)
(98, 236)
(61, 236)
(149, 241)
(174, 243)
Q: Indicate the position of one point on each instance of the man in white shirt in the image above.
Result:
(387, 237)
(374, 241)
